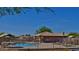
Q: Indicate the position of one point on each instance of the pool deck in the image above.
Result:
(42, 47)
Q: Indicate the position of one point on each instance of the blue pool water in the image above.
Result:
(24, 44)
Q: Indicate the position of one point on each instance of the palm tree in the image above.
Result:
(43, 29)
(17, 10)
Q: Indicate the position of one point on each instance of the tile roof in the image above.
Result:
(50, 34)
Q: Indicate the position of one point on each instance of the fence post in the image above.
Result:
(53, 45)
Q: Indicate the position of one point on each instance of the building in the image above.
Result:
(7, 38)
(50, 37)
(24, 38)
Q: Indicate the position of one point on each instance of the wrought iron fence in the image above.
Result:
(66, 43)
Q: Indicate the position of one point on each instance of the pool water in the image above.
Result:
(24, 44)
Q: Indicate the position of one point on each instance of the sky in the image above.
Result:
(66, 19)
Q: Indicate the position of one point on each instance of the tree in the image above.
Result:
(43, 29)
(73, 34)
(17, 10)
(26, 35)
(2, 33)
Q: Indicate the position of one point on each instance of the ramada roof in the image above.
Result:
(50, 34)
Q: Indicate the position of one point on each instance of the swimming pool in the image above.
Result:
(21, 45)
(24, 44)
